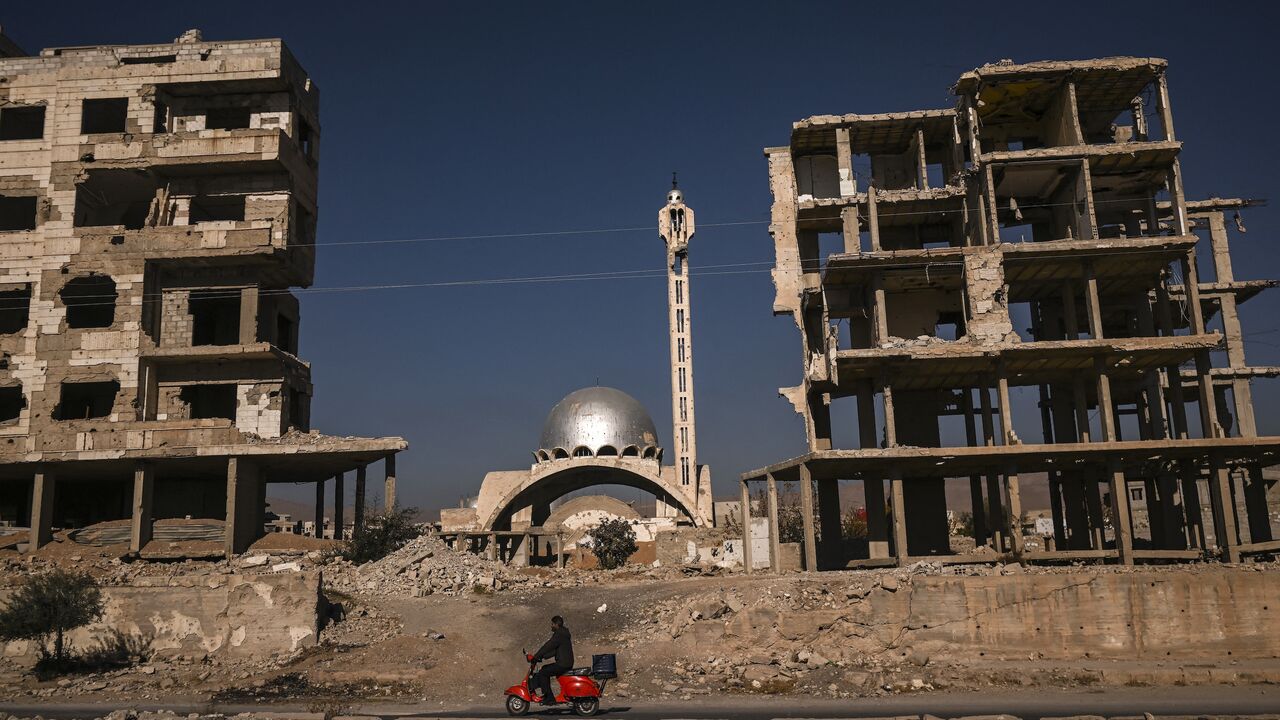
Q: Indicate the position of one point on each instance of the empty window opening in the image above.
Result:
(817, 176)
(90, 301)
(15, 310)
(12, 401)
(231, 118)
(936, 175)
(22, 123)
(17, 214)
(606, 451)
(208, 402)
(284, 334)
(298, 416)
(152, 60)
(306, 139)
(630, 451)
(1020, 315)
(160, 123)
(115, 197)
(950, 326)
(215, 316)
(104, 115)
(831, 243)
(217, 208)
(86, 400)
(1017, 233)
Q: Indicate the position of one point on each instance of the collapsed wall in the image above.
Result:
(197, 615)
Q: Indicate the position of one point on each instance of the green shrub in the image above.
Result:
(383, 534)
(50, 605)
(612, 542)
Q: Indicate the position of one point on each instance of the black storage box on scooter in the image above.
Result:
(604, 667)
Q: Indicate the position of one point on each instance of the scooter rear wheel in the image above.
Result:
(586, 707)
(517, 705)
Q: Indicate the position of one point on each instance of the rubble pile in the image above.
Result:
(425, 566)
(833, 636)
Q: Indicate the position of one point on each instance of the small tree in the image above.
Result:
(51, 604)
(383, 533)
(612, 542)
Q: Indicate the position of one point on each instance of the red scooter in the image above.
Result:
(577, 687)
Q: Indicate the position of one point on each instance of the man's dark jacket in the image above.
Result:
(560, 647)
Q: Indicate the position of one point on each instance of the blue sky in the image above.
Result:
(479, 118)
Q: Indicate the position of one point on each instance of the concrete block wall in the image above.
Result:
(196, 615)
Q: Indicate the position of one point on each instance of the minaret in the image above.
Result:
(675, 225)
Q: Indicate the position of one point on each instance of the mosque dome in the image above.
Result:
(598, 422)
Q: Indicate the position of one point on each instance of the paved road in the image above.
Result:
(1027, 704)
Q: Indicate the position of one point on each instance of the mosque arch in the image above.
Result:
(540, 490)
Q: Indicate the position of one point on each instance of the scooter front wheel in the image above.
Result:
(586, 707)
(517, 705)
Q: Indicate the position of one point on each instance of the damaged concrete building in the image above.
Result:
(1033, 241)
(157, 203)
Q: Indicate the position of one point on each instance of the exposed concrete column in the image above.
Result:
(1106, 412)
(879, 314)
(361, 479)
(1173, 377)
(850, 231)
(339, 493)
(1162, 103)
(1188, 475)
(806, 512)
(1013, 490)
(746, 527)
(993, 488)
(249, 316)
(1056, 510)
(1092, 304)
(975, 481)
(1224, 516)
(42, 499)
(560, 552)
(1209, 427)
(243, 511)
(1070, 325)
(143, 491)
(898, 509)
(877, 522)
(1120, 517)
(922, 162)
(1093, 502)
(389, 484)
(1006, 412)
(829, 519)
(319, 518)
(873, 219)
(890, 420)
(775, 542)
(844, 164)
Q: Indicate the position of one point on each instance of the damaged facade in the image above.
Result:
(1034, 239)
(157, 203)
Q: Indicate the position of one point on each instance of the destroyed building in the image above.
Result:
(157, 203)
(1034, 239)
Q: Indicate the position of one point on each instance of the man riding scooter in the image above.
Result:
(558, 647)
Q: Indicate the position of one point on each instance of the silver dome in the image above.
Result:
(596, 418)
